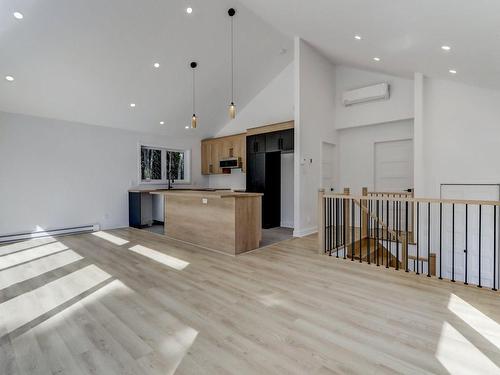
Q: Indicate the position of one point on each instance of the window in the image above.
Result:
(158, 164)
(151, 164)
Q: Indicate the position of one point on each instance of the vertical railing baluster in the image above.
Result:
(368, 223)
(387, 237)
(406, 236)
(337, 242)
(344, 225)
(377, 234)
(466, 240)
(440, 240)
(479, 248)
(329, 226)
(418, 233)
(353, 234)
(453, 243)
(325, 209)
(397, 235)
(360, 232)
(494, 247)
(428, 240)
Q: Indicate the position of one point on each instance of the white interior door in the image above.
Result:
(328, 167)
(472, 192)
(394, 165)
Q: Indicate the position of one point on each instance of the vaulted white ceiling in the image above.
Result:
(87, 60)
(406, 35)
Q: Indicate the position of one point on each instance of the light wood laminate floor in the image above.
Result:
(132, 302)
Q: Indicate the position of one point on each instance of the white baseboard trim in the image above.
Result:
(49, 232)
(305, 232)
(286, 224)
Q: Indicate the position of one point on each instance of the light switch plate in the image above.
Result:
(204, 200)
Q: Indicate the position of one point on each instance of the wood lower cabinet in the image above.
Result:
(216, 149)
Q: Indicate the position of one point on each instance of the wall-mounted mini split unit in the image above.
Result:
(366, 94)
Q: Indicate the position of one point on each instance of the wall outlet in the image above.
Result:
(204, 200)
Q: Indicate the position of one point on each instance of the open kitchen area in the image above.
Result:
(247, 204)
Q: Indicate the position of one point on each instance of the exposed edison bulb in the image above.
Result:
(194, 121)
(232, 111)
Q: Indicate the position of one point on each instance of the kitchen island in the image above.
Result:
(223, 221)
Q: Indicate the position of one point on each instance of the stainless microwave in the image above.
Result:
(230, 163)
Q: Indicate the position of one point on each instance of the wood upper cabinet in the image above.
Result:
(215, 149)
(205, 157)
(255, 140)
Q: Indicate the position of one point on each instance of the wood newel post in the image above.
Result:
(321, 221)
(432, 264)
(364, 220)
(347, 219)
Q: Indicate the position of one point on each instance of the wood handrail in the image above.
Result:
(390, 193)
(420, 200)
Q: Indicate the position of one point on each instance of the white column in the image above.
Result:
(418, 136)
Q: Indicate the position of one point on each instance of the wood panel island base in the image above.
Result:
(222, 221)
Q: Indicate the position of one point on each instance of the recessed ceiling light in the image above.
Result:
(9, 78)
(452, 71)
(18, 15)
(445, 48)
(162, 122)
(186, 127)
(357, 37)
(189, 10)
(376, 59)
(156, 65)
(132, 105)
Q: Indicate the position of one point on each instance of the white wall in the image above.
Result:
(58, 174)
(272, 105)
(399, 107)
(357, 151)
(461, 135)
(314, 123)
(236, 180)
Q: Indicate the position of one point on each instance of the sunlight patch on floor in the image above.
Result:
(24, 245)
(159, 257)
(23, 309)
(176, 346)
(271, 300)
(36, 268)
(31, 254)
(111, 238)
(459, 356)
(482, 324)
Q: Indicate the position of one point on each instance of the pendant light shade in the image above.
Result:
(194, 120)
(232, 111)
(232, 106)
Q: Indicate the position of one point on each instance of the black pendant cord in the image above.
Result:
(232, 62)
(193, 95)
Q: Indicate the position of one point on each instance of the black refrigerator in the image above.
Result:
(264, 176)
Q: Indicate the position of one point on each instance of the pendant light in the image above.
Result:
(194, 120)
(232, 107)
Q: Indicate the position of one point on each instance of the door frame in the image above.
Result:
(335, 164)
(375, 158)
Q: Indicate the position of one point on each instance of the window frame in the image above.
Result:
(164, 150)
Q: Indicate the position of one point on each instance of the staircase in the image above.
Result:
(374, 232)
